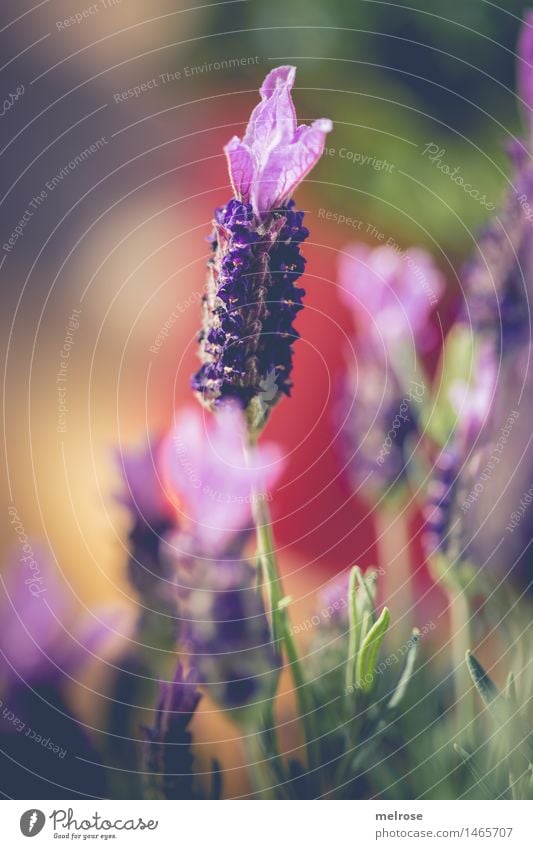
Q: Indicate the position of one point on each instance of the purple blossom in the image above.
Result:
(144, 493)
(376, 420)
(211, 479)
(42, 637)
(168, 754)
(440, 504)
(495, 280)
(392, 292)
(275, 155)
(153, 517)
(227, 632)
(459, 460)
(251, 299)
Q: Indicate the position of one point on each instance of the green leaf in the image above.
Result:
(367, 593)
(510, 691)
(368, 653)
(354, 628)
(407, 672)
(470, 763)
(486, 687)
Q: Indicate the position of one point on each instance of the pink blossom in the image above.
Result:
(275, 154)
(392, 292)
(210, 479)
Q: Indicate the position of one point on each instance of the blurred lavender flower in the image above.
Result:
(153, 516)
(211, 481)
(458, 463)
(497, 280)
(251, 300)
(497, 286)
(377, 422)
(45, 647)
(168, 758)
(440, 505)
(391, 292)
(42, 637)
(227, 633)
(151, 573)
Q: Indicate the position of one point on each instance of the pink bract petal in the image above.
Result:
(274, 155)
(391, 292)
(208, 474)
(240, 167)
(287, 166)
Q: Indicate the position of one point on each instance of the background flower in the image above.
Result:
(212, 479)
(391, 292)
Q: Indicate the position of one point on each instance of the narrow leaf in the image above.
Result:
(488, 690)
(368, 653)
(354, 629)
(474, 771)
(407, 672)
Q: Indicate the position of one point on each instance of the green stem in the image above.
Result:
(303, 695)
(459, 612)
(269, 570)
(393, 544)
(460, 644)
(353, 639)
(280, 623)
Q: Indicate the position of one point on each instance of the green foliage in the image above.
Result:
(512, 774)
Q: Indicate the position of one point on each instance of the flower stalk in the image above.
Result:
(282, 636)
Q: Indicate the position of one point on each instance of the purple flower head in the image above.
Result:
(525, 68)
(458, 462)
(227, 632)
(153, 517)
(168, 755)
(275, 155)
(440, 504)
(392, 292)
(211, 479)
(496, 278)
(251, 299)
(144, 493)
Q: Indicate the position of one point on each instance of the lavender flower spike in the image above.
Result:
(251, 299)
(168, 755)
